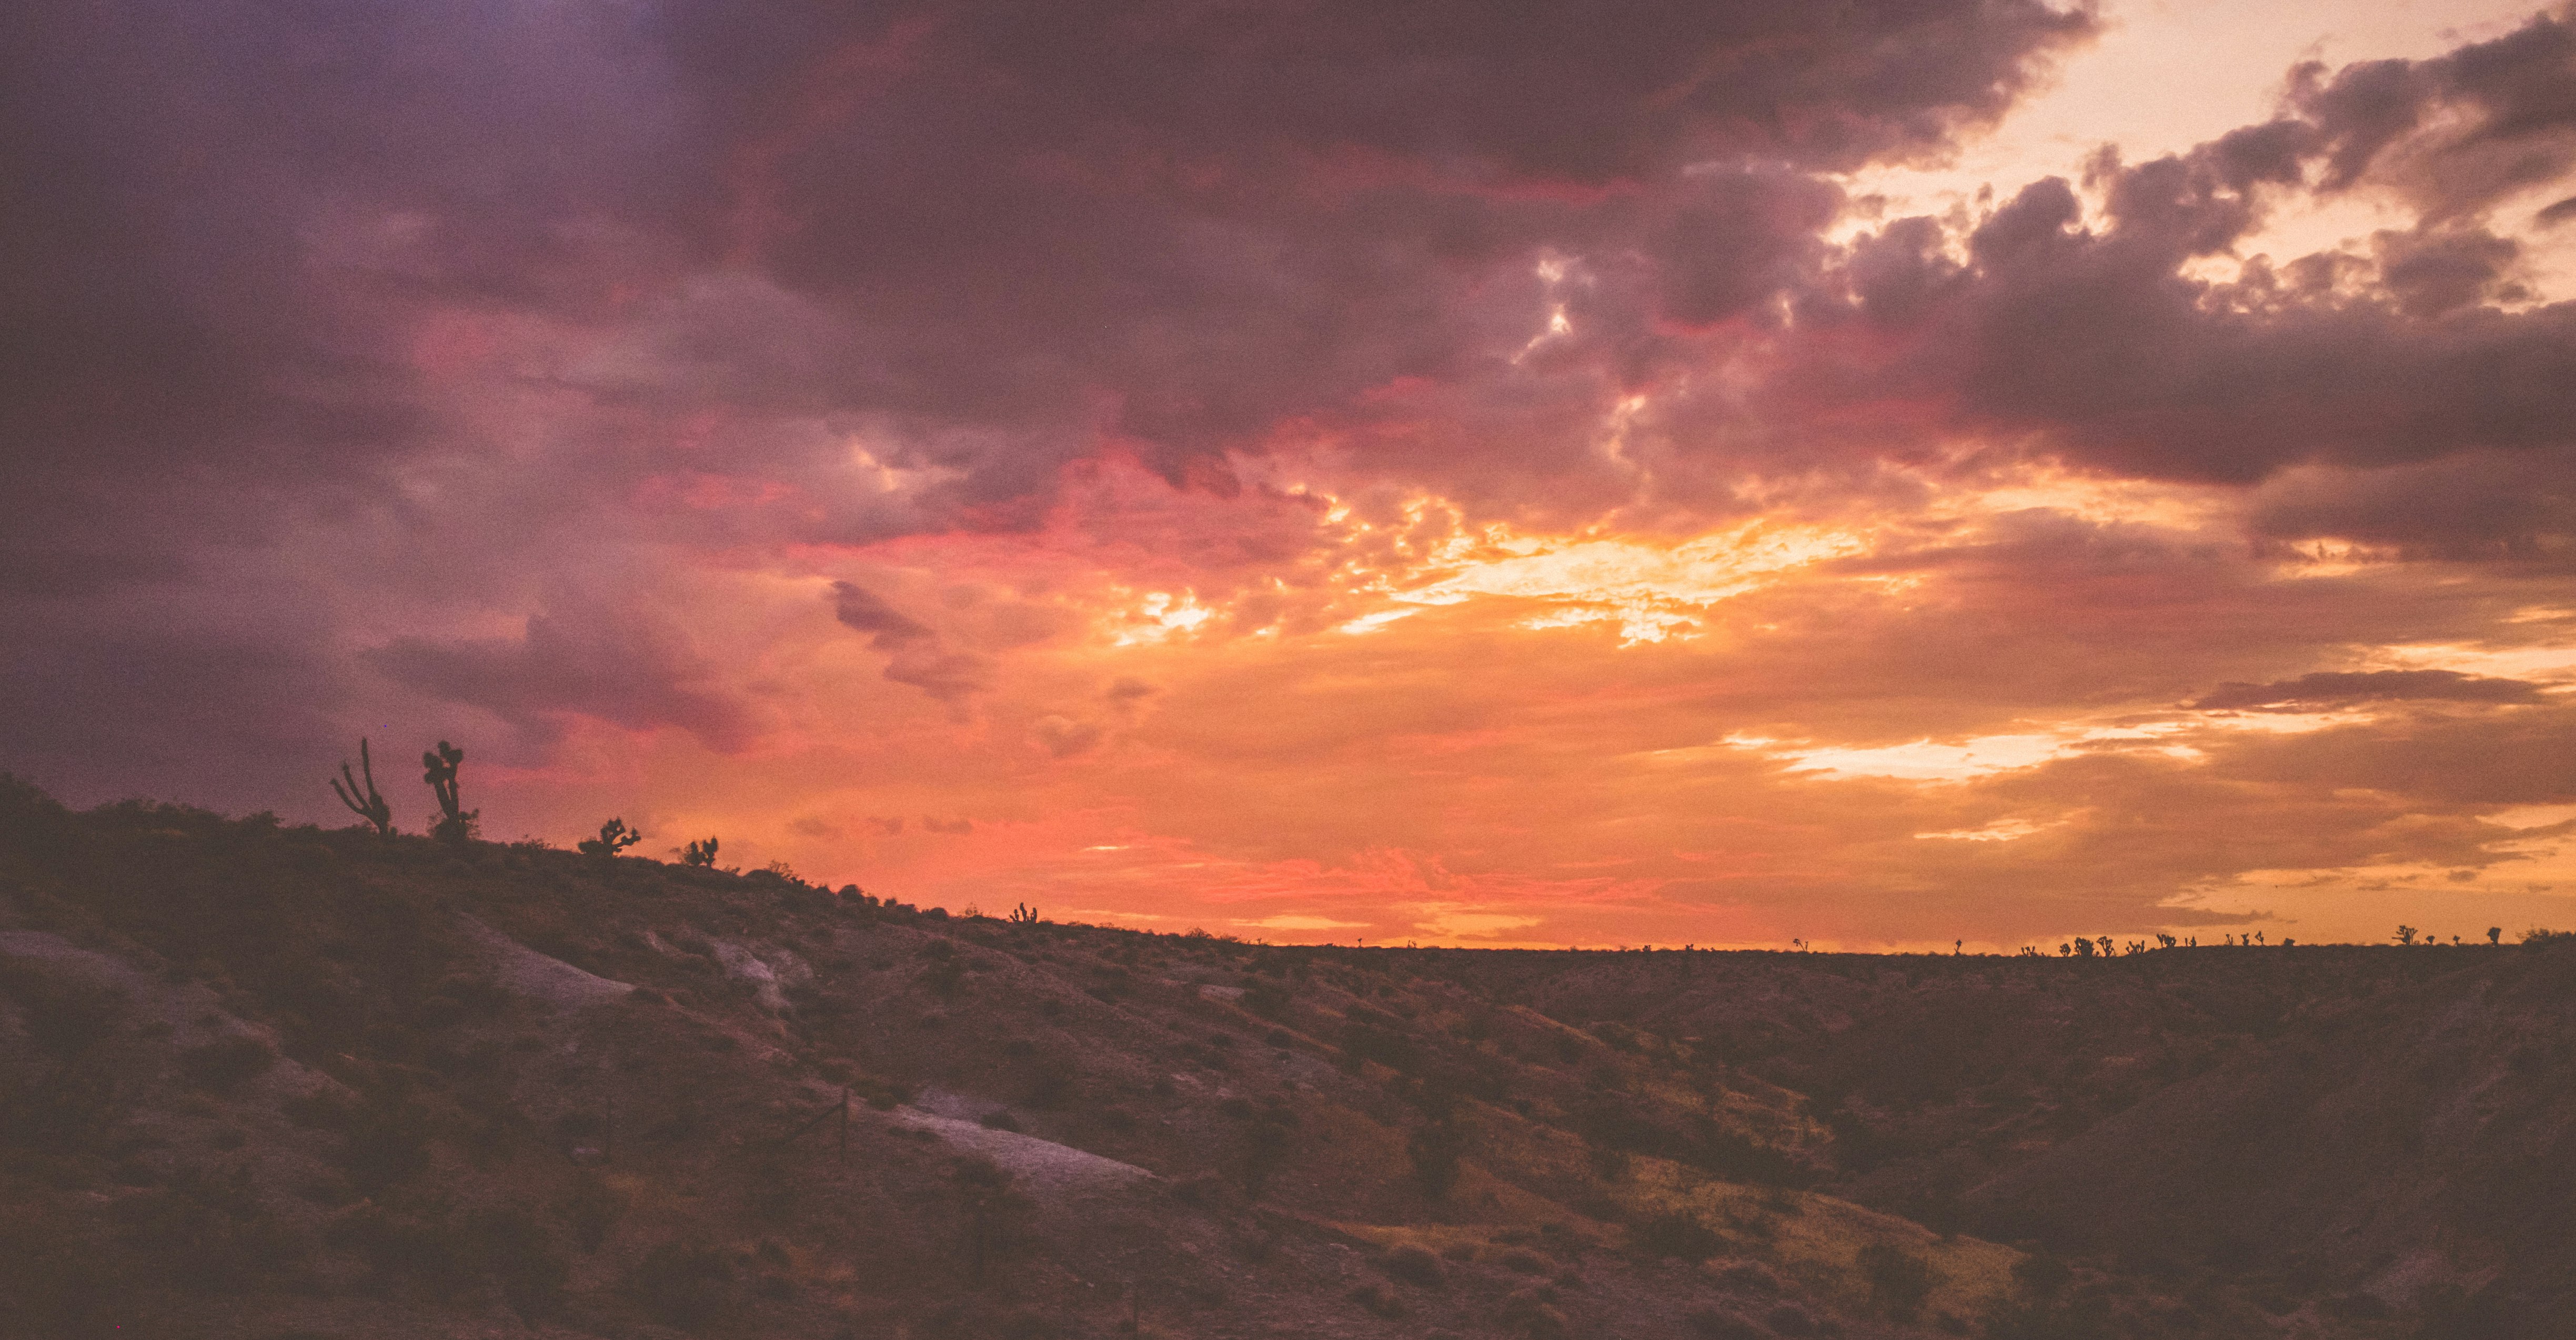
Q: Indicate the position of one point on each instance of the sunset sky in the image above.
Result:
(1611, 473)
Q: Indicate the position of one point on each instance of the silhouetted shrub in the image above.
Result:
(1749, 1277)
(994, 1214)
(614, 837)
(1533, 1313)
(684, 1284)
(1712, 1323)
(1378, 1301)
(517, 1253)
(1393, 1050)
(1898, 1280)
(361, 797)
(1262, 1143)
(386, 1143)
(1434, 1150)
(592, 1209)
(2042, 1274)
(438, 768)
(207, 1237)
(224, 1065)
(67, 1018)
(1413, 1265)
(1679, 1234)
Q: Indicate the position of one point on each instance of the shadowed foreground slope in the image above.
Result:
(269, 1082)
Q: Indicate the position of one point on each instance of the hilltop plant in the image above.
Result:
(1024, 915)
(701, 853)
(614, 837)
(361, 797)
(438, 768)
(2406, 935)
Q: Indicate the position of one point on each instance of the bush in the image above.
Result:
(1711, 1323)
(592, 1209)
(224, 1065)
(1532, 1312)
(64, 1016)
(1378, 1301)
(1414, 1265)
(221, 1244)
(386, 1143)
(1434, 1151)
(684, 1284)
(1899, 1280)
(1679, 1234)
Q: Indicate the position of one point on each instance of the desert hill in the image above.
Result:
(268, 1082)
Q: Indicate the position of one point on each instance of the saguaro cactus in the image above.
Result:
(455, 824)
(361, 797)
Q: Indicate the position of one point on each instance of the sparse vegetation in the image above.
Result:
(359, 793)
(614, 837)
(454, 823)
(1499, 1119)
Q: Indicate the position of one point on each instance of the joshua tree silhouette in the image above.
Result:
(439, 770)
(614, 837)
(362, 798)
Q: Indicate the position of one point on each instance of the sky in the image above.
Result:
(1899, 475)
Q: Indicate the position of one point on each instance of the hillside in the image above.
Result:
(270, 1082)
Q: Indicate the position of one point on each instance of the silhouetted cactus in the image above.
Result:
(2405, 935)
(1024, 915)
(438, 768)
(2495, 935)
(2165, 941)
(700, 853)
(614, 837)
(368, 805)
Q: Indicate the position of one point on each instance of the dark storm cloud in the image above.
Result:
(200, 712)
(2477, 505)
(1007, 232)
(611, 666)
(916, 655)
(1181, 226)
(2342, 688)
(2093, 339)
(2456, 133)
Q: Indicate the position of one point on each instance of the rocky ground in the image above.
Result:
(267, 1082)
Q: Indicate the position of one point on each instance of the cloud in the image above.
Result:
(608, 665)
(1108, 362)
(2341, 688)
(916, 655)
